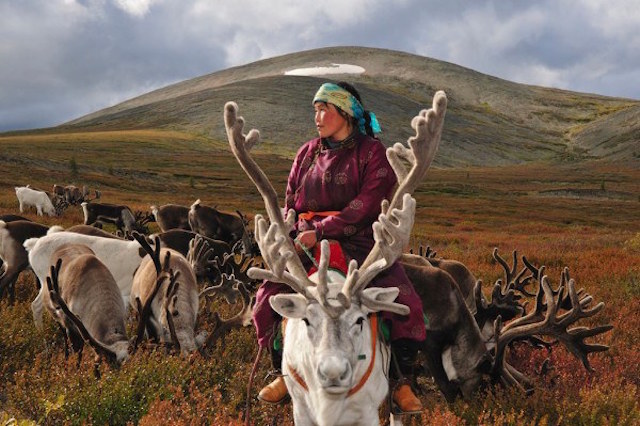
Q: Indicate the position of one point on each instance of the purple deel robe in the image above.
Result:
(352, 179)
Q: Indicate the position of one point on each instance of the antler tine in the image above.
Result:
(565, 301)
(54, 295)
(154, 254)
(170, 300)
(322, 283)
(278, 241)
(391, 234)
(534, 271)
(509, 273)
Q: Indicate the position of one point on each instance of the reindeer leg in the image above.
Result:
(96, 367)
(80, 356)
(63, 331)
(433, 354)
(7, 281)
(11, 287)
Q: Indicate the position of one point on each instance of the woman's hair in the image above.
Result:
(367, 123)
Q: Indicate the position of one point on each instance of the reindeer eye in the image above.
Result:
(306, 322)
(359, 322)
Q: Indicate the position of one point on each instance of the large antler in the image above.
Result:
(275, 245)
(392, 234)
(544, 319)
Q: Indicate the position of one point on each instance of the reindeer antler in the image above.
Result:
(275, 245)
(551, 323)
(200, 255)
(420, 153)
(163, 271)
(226, 287)
(241, 319)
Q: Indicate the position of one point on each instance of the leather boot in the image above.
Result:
(404, 352)
(406, 400)
(276, 391)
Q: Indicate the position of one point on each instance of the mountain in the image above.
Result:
(489, 121)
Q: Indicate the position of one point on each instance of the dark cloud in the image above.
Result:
(61, 59)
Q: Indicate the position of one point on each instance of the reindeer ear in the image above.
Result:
(289, 305)
(375, 299)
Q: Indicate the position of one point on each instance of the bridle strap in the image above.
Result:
(373, 322)
(374, 337)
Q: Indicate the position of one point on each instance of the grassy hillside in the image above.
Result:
(490, 121)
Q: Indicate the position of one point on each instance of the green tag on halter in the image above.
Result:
(362, 356)
(277, 341)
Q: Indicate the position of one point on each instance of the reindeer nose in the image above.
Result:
(334, 371)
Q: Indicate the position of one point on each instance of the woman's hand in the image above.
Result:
(306, 239)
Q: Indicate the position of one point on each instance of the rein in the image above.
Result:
(373, 322)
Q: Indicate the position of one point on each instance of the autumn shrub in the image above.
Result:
(597, 239)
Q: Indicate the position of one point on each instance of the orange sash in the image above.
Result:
(310, 215)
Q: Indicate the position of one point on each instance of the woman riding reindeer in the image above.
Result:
(336, 185)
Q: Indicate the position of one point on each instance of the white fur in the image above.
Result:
(40, 200)
(448, 364)
(121, 258)
(320, 405)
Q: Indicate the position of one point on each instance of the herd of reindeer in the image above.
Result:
(205, 253)
(88, 277)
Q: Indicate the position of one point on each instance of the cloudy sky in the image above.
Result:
(61, 59)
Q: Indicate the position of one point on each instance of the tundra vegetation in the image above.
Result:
(462, 213)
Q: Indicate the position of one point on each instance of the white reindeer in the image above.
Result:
(333, 369)
(39, 199)
(121, 257)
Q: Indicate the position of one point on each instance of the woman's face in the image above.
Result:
(330, 123)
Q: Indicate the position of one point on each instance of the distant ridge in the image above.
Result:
(490, 121)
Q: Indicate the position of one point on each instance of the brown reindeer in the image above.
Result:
(171, 216)
(12, 252)
(84, 298)
(218, 225)
(81, 286)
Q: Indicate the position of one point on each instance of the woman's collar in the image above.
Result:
(348, 142)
